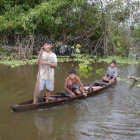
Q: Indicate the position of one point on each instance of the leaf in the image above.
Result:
(58, 20)
(99, 71)
(118, 44)
(77, 50)
(138, 85)
(120, 1)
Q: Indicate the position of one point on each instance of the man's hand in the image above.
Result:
(44, 62)
(73, 95)
(41, 52)
(110, 81)
(48, 63)
(85, 95)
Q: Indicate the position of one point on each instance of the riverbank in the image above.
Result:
(10, 61)
(119, 60)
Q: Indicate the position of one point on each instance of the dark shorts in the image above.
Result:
(110, 77)
(74, 87)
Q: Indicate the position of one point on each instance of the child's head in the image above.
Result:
(72, 74)
(113, 63)
(47, 45)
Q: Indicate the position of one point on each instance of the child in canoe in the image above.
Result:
(48, 62)
(111, 73)
(71, 84)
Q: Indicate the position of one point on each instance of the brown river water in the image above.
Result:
(114, 114)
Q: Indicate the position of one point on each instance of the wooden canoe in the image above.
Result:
(61, 97)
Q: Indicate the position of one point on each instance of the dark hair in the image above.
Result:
(113, 61)
(72, 72)
(47, 42)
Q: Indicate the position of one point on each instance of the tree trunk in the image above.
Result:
(105, 28)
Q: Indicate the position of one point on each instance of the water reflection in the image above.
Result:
(44, 124)
(52, 126)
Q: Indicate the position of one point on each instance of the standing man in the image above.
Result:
(47, 61)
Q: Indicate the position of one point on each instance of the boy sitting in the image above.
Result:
(71, 84)
(111, 73)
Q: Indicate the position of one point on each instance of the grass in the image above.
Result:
(10, 61)
(119, 60)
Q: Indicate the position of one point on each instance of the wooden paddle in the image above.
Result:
(37, 85)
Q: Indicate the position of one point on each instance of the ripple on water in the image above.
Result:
(118, 120)
(112, 115)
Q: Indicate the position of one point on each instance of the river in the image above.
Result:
(113, 114)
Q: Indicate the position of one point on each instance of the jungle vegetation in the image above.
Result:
(98, 27)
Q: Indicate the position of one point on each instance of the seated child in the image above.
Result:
(111, 73)
(71, 84)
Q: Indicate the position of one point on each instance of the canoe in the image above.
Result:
(61, 97)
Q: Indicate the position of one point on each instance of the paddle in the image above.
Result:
(37, 85)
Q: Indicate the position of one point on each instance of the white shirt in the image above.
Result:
(46, 71)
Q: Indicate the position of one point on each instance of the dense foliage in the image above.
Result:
(100, 27)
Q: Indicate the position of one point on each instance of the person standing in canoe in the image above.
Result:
(111, 73)
(71, 84)
(47, 61)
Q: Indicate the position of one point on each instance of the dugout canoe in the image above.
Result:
(60, 97)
